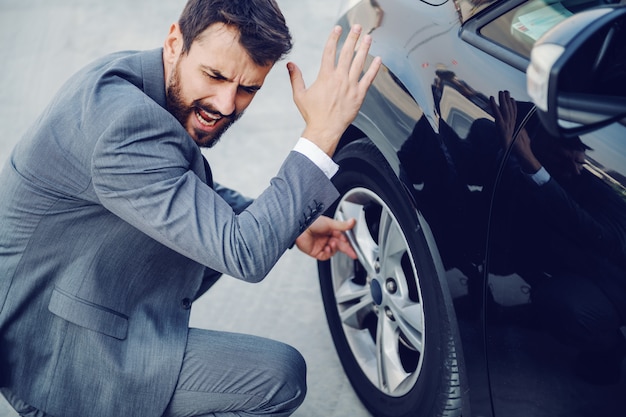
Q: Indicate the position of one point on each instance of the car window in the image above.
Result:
(519, 28)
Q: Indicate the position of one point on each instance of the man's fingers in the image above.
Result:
(347, 51)
(342, 225)
(346, 247)
(358, 62)
(330, 50)
(332, 101)
(508, 105)
(368, 77)
(496, 109)
(295, 75)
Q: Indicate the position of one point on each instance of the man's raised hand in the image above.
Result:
(332, 102)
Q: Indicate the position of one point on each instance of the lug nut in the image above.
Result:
(389, 314)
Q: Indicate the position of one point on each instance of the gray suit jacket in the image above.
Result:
(108, 231)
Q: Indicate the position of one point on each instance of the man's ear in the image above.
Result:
(173, 44)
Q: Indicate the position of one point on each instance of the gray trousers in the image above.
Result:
(228, 375)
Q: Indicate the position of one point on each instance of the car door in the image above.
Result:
(553, 300)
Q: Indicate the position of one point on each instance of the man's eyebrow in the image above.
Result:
(217, 74)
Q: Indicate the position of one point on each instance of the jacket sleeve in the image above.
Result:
(235, 200)
(599, 232)
(146, 170)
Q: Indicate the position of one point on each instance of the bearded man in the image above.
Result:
(111, 225)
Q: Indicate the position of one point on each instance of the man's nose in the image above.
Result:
(224, 101)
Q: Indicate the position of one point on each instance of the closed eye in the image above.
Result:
(219, 77)
(249, 90)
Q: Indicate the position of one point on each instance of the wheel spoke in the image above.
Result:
(364, 350)
(391, 373)
(393, 245)
(360, 237)
(408, 313)
(411, 322)
(352, 299)
(350, 292)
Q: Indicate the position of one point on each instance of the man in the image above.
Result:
(110, 224)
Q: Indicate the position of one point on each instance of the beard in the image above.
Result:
(183, 112)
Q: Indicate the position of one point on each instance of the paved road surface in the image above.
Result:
(44, 42)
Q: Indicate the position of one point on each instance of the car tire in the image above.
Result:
(391, 327)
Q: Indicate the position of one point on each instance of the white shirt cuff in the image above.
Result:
(317, 156)
(540, 177)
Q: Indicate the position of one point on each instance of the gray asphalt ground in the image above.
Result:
(43, 42)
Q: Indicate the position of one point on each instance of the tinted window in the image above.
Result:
(519, 28)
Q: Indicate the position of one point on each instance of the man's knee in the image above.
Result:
(288, 369)
(253, 375)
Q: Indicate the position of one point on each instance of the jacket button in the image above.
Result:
(186, 303)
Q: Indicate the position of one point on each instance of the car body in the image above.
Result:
(462, 301)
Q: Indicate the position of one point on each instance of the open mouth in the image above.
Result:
(206, 119)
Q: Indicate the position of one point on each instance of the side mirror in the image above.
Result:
(577, 72)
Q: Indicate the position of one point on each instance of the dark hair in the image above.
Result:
(263, 31)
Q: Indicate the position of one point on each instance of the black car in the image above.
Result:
(487, 173)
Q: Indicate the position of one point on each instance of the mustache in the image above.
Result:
(212, 110)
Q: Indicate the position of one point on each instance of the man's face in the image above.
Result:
(210, 86)
(573, 163)
(564, 164)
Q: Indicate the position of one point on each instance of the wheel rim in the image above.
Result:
(378, 297)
